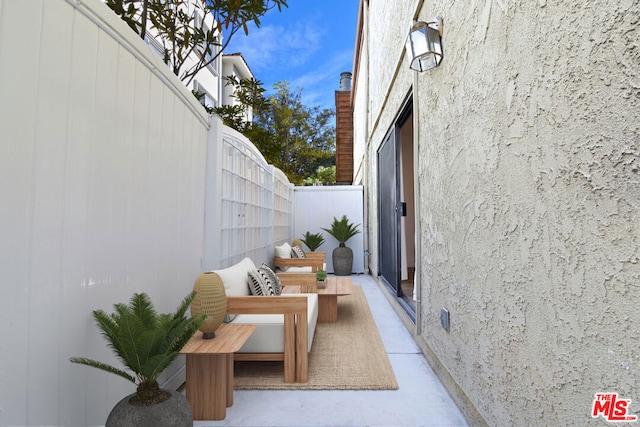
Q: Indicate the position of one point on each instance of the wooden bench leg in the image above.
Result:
(229, 380)
(289, 348)
(302, 349)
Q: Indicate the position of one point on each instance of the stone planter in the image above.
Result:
(342, 258)
(173, 412)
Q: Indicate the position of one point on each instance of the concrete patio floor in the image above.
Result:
(421, 399)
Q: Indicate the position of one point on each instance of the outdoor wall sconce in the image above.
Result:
(424, 45)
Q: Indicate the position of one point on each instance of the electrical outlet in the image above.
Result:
(444, 318)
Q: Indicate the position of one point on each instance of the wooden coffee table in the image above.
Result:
(328, 297)
(210, 370)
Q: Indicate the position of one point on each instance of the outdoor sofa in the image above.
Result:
(296, 267)
(285, 324)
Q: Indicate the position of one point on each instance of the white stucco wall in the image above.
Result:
(529, 153)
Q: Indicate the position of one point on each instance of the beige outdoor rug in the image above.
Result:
(346, 355)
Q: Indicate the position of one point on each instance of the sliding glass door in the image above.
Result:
(389, 218)
(396, 210)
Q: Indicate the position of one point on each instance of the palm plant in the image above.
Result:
(313, 241)
(145, 342)
(342, 230)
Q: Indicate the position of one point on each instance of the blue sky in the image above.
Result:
(308, 44)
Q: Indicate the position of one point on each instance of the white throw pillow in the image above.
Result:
(283, 251)
(235, 277)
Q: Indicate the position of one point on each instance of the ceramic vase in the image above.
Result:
(211, 299)
(342, 258)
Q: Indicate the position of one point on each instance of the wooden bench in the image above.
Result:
(312, 262)
(294, 309)
(285, 325)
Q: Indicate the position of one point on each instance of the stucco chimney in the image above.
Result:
(345, 80)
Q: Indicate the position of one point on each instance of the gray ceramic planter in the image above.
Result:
(174, 412)
(342, 258)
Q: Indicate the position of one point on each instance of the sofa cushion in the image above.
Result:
(298, 270)
(260, 283)
(269, 334)
(273, 277)
(297, 252)
(228, 318)
(283, 251)
(235, 278)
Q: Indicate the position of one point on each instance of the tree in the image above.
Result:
(293, 137)
(188, 27)
(323, 176)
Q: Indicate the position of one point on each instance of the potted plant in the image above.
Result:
(313, 241)
(342, 256)
(321, 279)
(146, 343)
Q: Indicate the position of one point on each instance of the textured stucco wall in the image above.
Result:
(383, 87)
(529, 205)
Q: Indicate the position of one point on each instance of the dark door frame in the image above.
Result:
(392, 243)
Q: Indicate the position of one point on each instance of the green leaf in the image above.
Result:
(145, 342)
(342, 230)
(313, 241)
(103, 366)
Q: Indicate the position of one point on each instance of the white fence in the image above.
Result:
(251, 204)
(112, 182)
(315, 208)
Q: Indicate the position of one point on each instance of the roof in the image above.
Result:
(239, 62)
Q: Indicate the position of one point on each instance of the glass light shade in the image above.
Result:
(424, 48)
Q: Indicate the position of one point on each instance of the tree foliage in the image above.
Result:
(249, 95)
(323, 176)
(187, 27)
(297, 139)
(292, 136)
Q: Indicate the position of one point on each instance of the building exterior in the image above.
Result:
(234, 65)
(516, 164)
(209, 81)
